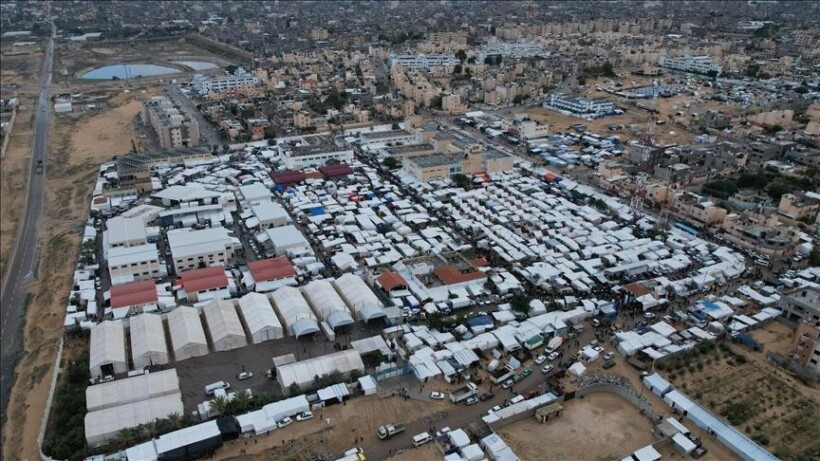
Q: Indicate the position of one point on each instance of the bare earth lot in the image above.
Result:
(76, 150)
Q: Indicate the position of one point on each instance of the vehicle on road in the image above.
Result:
(648, 315)
(211, 388)
(463, 393)
(304, 416)
(284, 422)
(244, 375)
(486, 396)
(546, 368)
(437, 395)
(421, 439)
(471, 401)
(507, 384)
(609, 355)
(526, 372)
(39, 167)
(389, 430)
(540, 359)
(553, 356)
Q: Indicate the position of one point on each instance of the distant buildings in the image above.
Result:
(241, 79)
(692, 64)
(422, 61)
(175, 128)
(314, 153)
(580, 106)
(519, 49)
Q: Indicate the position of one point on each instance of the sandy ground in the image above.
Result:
(71, 172)
(776, 337)
(597, 427)
(360, 418)
(424, 452)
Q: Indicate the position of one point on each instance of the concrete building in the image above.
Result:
(240, 80)
(123, 232)
(806, 345)
(391, 137)
(422, 61)
(698, 209)
(801, 304)
(314, 153)
(799, 205)
(268, 214)
(204, 284)
(692, 64)
(439, 166)
(580, 106)
(193, 248)
(287, 240)
(128, 264)
(532, 130)
(174, 127)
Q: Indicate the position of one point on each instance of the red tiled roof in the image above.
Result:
(391, 280)
(288, 177)
(637, 289)
(334, 171)
(133, 293)
(480, 261)
(313, 175)
(451, 275)
(208, 278)
(271, 269)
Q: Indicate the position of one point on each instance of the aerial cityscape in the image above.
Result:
(410, 230)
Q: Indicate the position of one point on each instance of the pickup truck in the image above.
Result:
(463, 393)
(389, 430)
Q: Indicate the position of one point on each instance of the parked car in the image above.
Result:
(285, 422)
(507, 384)
(304, 416)
(553, 356)
(596, 323)
(442, 431)
(471, 401)
(648, 315)
(540, 359)
(546, 368)
(608, 364)
(526, 372)
(437, 395)
(609, 355)
(244, 375)
(486, 396)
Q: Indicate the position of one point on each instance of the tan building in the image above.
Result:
(452, 104)
(699, 209)
(440, 166)
(806, 345)
(175, 128)
(798, 206)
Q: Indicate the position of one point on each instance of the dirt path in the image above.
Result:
(73, 165)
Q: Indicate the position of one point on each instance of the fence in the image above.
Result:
(394, 372)
(634, 397)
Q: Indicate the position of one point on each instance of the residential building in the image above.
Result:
(175, 128)
(123, 232)
(700, 210)
(422, 61)
(692, 64)
(136, 168)
(802, 303)
(518, 49)
(240, 80)
(316, 152)
(128, 264)
(580, 106)
(390, 137)
(806, 345)
(532, 130)
(452, 104)
(191, 249)
(759, 233)
(799, 205)
(440, 166)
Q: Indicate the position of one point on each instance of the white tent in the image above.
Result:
(107, 354)
(259, 317)
(294, 311)
(578, 369)
(359, 297)
(368, 385)
(187, 336)
(224, 325)
(327, 304)
(302, 373)
(148, 346)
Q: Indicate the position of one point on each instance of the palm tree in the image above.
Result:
(174, 420)
(242, 399)
(219, 405)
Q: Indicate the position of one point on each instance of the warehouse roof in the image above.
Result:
(359, 297)
(107, 344)
(185, 243)
(207, 278)
(288, 177)
(391, 280)
(121, 230)
(265, 270)
(451, 275)
(258, 313)
(222, 320)
(104, 425)
(295, 311)
(121, 391)
(303, 371)
(185, 327)
(147, 335)
(130, 294)
(327, 303)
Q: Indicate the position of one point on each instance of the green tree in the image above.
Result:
(391, 163)
(231, 69)
(461, 181)
(219, 405)
(457, 69)
(521, 303)
(294, 389)
(814, 256)
(461, 55)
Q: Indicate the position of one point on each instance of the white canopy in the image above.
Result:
(260, 318)
(359, 297)
(187, 336)
(327, 304)
(294, 311)
(148, 345)
(224, 325)
(107, 348)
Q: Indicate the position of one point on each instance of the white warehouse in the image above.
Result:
(260, 318)
(148, 345)
(327, 304)
(187, 336)
(302, 373)
(224, 325)
(107, 354)
(294, 311)
(359, 297)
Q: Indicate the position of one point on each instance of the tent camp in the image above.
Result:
(302, 373)
(107, 354)
(259, 317)
(148, 345)
(294, 311)
(327, 304)
(187, 336)
(359, 297)
(224, 325)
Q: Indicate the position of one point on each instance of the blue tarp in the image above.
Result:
(317, 211)
(746, 339)
(687, 229)
(609, 311)
(480, 320)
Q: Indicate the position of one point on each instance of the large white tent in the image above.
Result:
(148, 345)
(294, 311)
(224, 325)
(107, 354)
(187, 336)
(327, 304)
(260, 318)
(359, 297)
(302, 373)
(134, 389)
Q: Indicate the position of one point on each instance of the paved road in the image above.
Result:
(20, 271)
(207, 132)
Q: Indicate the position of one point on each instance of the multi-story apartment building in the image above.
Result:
(692, 64)
(519, 49)
(806, 345)
(191, 249)
(802, 303)
(239, 80)
(580, 106)
(174, 127)
(422, 61)
(799, 205)
(439, 166)
(128, 264)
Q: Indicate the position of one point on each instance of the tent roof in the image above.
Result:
(294, 311)
(258, 313)
(107, 344)
(304, 371)
(185, 327)
(147, 335)
(222, 320)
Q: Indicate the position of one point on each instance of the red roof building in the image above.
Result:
(451, 275)
(199, 280)
(133, 294)
(390, 281)
(266, 270)
(336, 171)
(288, 177)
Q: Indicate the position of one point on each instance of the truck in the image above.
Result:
(463, 393)
(389, 430)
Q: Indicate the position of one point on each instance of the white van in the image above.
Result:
(421, 439)
(516, 399)
(210, 388)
